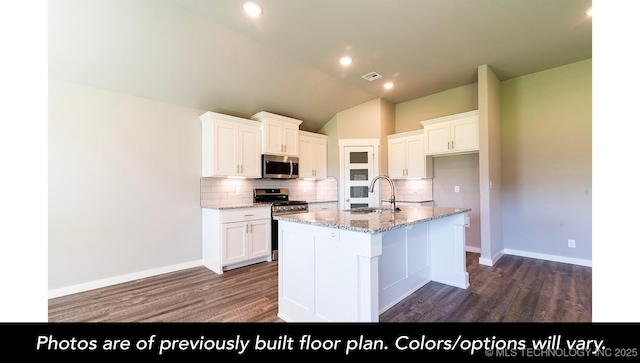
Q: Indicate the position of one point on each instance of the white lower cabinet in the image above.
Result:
(233, 238)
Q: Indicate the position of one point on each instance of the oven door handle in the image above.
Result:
(290, 169)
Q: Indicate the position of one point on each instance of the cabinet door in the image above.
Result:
(290, 139)
(320, 157)
(306, 158)
(273, 143)
(465, 134)
(225, 149)
(397, 158)
(415, 157)
(437, 138)
(260, 238)
(249, 152)
(234, 242)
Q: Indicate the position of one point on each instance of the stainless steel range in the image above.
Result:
(280, 204)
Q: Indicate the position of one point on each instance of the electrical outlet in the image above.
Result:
(237, 190)
(571, 243)
(456, 189)
(333, 234)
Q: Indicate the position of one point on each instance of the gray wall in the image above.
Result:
(463, 171)
(124, 186)
(546, 161)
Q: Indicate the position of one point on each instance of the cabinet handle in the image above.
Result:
(452, 147)
(448, 145)
(241, 169)
(285, 147)
(250, 228)
(248, 215)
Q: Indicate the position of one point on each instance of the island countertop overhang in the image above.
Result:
(374, 222)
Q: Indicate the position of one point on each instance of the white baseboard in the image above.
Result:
(490, 261)
(120, 279)
(542, 256)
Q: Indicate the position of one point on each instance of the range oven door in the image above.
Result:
(279, 167)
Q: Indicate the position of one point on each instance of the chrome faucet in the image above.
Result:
(392, 200)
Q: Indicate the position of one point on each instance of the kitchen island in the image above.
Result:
(350, 266)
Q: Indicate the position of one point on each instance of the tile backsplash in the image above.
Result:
(408, 190)
(222, 191)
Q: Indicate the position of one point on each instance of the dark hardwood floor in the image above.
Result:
(516, 289)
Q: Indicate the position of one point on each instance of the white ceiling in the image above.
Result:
(207, 54)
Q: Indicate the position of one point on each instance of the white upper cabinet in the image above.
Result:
(230, 146)
(453, 134)
(279, 134)
(313, 155)
(406, 155)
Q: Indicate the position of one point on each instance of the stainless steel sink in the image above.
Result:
(371, 210)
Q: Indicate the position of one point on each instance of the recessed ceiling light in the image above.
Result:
(252, 9)
(345, 61)
(589, 11)
(388, 85)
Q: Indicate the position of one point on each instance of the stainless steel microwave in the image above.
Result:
(279, 167)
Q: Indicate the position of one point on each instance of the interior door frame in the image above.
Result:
(344, 143)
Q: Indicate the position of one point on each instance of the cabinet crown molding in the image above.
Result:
(268, 116)
(405, 134)
(313, 134)
(449, 117)
(214, 116)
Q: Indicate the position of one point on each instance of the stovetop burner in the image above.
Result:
(279, 199)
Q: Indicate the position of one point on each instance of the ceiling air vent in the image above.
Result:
(371, 76)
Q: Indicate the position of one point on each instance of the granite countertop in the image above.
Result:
(375, 222)
(313, 201)
(238, 206)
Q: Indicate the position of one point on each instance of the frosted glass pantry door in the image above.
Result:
(358, 172)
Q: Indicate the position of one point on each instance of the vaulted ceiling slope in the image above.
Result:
(207, 54)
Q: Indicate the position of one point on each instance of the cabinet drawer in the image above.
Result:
(245, 214)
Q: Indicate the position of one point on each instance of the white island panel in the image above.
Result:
(343, 266)
(324, 274)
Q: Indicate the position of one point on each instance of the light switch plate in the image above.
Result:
(456, 189)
